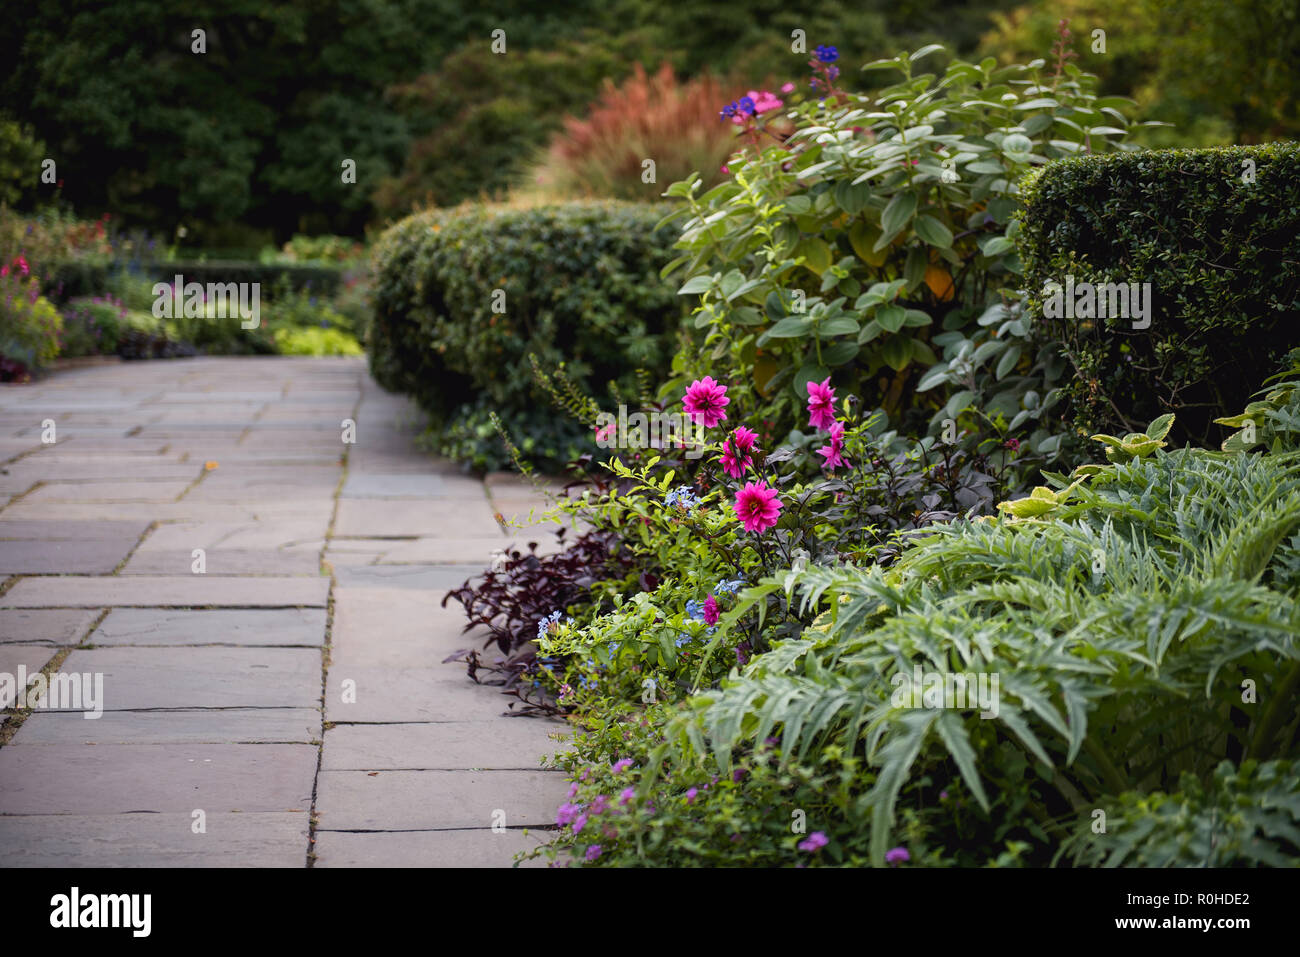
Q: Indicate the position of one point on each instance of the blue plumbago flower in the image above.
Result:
(682, 639)
(827, 54)
(682, 496)
(695, 609)
(544, 626)
(725, 587)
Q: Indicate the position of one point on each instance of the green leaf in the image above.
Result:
(852, 199)
(837, 327)
(891, 317)
(933, 232)
(695, 284)
(996, 246)
(922, 353)
(790, 327)
(1161, 426)
(897, 352)
(1008, 361)
(838, 353)
(896, 215)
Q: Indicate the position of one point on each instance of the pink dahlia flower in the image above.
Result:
(711, 610)
(832, 451)
(757, 507)
(735, 452)
(705, 400)
(821, 404)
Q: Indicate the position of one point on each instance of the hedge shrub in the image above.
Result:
(1219, 252)
(581, 288)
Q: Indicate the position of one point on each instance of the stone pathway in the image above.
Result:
(261, 599)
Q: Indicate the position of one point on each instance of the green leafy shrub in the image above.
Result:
(879, 231)
(579, 287)
(315, 341)
(1273, 420)
(1122, 622)
(29, 323)
(1213, 231)
(330, 249)
(92, 326)
(1247, 816)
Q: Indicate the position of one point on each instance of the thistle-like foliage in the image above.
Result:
(1146, 629)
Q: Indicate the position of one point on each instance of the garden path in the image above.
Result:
(261, 598)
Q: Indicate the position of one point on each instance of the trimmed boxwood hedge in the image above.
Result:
(1223, 259)
(582, 287)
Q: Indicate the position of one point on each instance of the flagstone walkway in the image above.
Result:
(261, 599)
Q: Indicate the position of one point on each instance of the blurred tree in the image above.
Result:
(1221, 71)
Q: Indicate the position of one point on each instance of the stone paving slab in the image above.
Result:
(197, 626)
(428, 800)
(285, 532)
(225, 562)
(155, 840)
(154, 592)
(159, 491)
(384, 518)
(477, 847)
(133, 469)
(402, 485)
(419, 577)
(208, 726)
(93, 557)
(443, 746)
(203, 677)
(126, 778)
(53, 626)
(39, 530)
(411, 694)
(425, 551)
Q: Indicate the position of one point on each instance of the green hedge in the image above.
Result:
(1220, 254)
(582, 287)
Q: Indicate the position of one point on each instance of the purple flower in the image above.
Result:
(897, 856)
(622, 764)
(827, 54)
(815, 842)
(690, 795)
(737, 774)
(566, 814)
(579, 823)
(593, 852)
(600, 805)
(626, 796)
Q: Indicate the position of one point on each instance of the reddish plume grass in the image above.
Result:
(657, 118)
